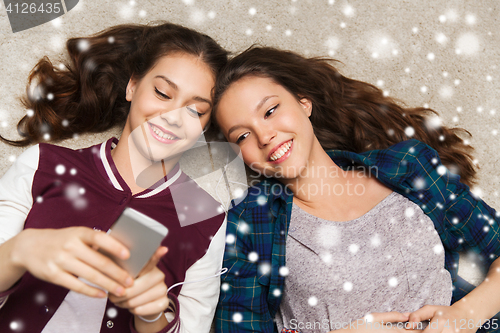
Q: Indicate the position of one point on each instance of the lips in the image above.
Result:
(162, 134)
(280, 151)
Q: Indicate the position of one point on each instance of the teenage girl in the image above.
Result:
(365, 210)
(156, 81)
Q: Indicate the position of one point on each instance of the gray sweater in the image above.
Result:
(390, 259)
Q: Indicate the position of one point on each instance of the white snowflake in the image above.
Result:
(284, 271)
(328, 236)
(313, 301)
(409, 131)
(467, 44)
(438, 249)
(470, 19)
(348, 10)
(347, 286)
(57, 22)
(197, 17)
(332, 43)
(264, 268)
(375, 240)
(441, 38)
(393, 282)
(409, 212)
(380, 46)
(112, 312)
(60, 169)
(441, 170)
(353, 248)
(237, 317)
(446, 92)
(253, 256)
(230, 239)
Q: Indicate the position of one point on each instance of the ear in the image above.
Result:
(129, 92)
(306, 105)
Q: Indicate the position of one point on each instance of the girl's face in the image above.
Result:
(169, 108)
(269, 124)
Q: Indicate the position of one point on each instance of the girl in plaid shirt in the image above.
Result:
(292, 116)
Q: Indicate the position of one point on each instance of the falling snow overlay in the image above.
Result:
(440, 54)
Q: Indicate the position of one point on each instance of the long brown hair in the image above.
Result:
(348, 114)
(88, 93)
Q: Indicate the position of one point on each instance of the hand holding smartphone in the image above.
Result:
(141, 234)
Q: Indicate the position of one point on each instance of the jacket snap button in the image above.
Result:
(110, 324)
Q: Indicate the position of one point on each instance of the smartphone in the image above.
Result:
(141, 234)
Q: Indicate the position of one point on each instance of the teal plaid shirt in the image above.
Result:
(251, 290)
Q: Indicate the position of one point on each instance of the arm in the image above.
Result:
(469, 224)
(197, 301)
(243, 301)
(66, 252)
(15, 203)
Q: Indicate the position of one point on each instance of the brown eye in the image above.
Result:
(241, 138)
(271, 111)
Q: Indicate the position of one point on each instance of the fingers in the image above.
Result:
(153, 261)
(72, 283)
(142, 284)
(152, 308)
(101, 240)
(94, 276)
(426, 312)
(148, 295)
(101, 270)
(156, 292)
(391, 317)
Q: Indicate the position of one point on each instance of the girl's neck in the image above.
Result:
(322, 180)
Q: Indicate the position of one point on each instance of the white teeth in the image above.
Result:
(281, 151)
(162, 134)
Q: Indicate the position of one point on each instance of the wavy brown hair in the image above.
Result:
(348, 114)
(88, 93)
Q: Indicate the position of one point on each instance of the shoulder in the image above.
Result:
(29, 157)
(404, 152)
(259, 196)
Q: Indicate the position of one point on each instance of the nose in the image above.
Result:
(265, 135)
(173, 117)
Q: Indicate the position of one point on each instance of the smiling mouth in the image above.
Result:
(162, 135)
(281, 151)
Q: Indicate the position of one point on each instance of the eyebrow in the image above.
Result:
(265, 99)
(176, 88)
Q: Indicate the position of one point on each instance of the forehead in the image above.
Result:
(247, 92)
(237, 105)
(185, 70)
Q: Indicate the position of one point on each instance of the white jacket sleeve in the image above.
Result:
(198, 300)
(15, 193)
(15, 196)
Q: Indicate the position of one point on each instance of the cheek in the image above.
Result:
(193, 126)
(250, 156)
